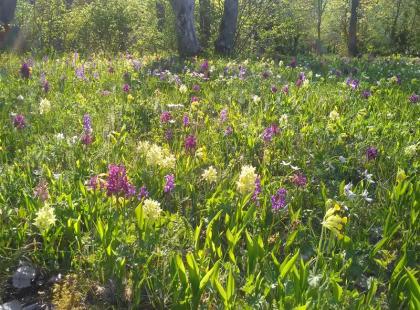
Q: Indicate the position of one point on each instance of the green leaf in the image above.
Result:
(287, 265)
(399, 267)
(337, 290)
(230, 289)
(221, 291)
(413, 285)
(208, 275)
(181, 270)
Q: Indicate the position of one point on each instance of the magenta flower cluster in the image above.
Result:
(19, 121)
(278, 201)
(117, 183)
(270, 132)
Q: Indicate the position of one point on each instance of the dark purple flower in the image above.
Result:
(265, 75)
(111, 69)
(186, 120)
(46, 86)
(223, 115)
(169, 183)
(414, 98)
(371, 153)
(228, 131)
(87, 139)
(293, 62)
(274, 89)
(299, 82)
(285, 89)
(366, 94)
(194, 99)
(87, 123)
(398, 79)
(169, 134)
(196, 87)
(190, 143)
(270, 132)
(299, 179)
(204, 66)
(80, 72)
(25, 70)
(117, 182)
(19, 121)
(301, 76)
(41, 191)
(278, 201)
(353, 83)
(242, 72)
(143, 193)
(93, 183)
(126, 88)
(257, 190)
(165, 117)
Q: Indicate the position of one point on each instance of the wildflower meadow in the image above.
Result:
(131, 182)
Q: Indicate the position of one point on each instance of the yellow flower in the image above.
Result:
(334, 115)
(333, 221)
(210, 174)
(44, 106)
(45, 218)
(201, 153)
(246, 183)
(156, 155)
(151, 209)
(130, 97)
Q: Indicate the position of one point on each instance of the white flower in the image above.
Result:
(183, 89)
(45, 218)
(59, 136)
(246, 182)
(342, 159)
(368, 177)
(283, 121)
(20, 98)
(44, 106)
(364, 195)
(151, 209)
(256, 99)
(210, 174)
(347, 190)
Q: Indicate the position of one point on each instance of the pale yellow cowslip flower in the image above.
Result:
(45, 218)
(151, 209)
(183, 89)
(334, 222)
(156, 155)
(334, 115)
(210, 174)
(44, 106)
(246, 182)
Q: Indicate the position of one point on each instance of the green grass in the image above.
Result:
(213, 246)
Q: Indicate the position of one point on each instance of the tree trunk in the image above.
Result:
(188, 44)
(226, 40)
(7, 11)
(205, 22)
(395, 22)
(352, 41)
(160, 14)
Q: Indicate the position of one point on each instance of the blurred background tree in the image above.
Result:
(246, 28)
